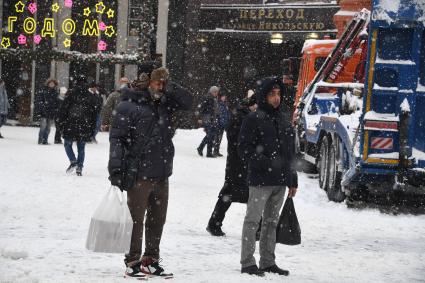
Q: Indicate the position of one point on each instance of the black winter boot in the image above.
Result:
(215, 231)
(252, 270)
(275, 269)
(71, 167)
(79, 171)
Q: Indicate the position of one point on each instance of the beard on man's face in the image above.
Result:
(156, 94)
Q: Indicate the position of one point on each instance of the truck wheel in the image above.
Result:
(322, 163)
(334, 191)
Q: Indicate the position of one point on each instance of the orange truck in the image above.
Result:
(314, 54)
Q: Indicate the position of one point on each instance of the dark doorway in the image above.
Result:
(13, 76)
(236, 64)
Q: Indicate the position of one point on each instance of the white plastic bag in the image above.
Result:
(111, 225)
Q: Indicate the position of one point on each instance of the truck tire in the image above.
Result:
(334, 191)
(323, 163)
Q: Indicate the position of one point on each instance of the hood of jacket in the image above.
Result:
(265, 86)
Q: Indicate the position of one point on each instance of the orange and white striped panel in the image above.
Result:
(382, 143)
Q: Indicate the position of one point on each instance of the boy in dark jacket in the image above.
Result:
(141, 144)
(267, 143)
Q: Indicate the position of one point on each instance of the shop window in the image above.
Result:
(395, 44)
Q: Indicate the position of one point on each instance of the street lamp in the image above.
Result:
(312, 35)
(276, 38)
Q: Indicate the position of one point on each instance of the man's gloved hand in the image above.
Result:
(116, 178)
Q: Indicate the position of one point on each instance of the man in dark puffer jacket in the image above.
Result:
(143, 122)
(266, 142)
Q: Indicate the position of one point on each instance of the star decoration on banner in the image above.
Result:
(20, 7)
(110, 13)
(67, 42)
(87, 11)
(110, 31)
(5, 42)
(100, 8)
(55, 7)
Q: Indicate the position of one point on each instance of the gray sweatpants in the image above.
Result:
(266, 202)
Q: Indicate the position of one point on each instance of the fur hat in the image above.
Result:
(160, 74)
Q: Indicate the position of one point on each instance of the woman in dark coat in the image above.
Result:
(235, 188)
(77, 119)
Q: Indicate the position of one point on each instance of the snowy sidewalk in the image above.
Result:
(45, 215)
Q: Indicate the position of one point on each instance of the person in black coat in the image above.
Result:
(141, 161)
(48, 105)
(223, 123)
(267, 144)
(58, 134)
(77, 119)
(235, 188)
(99, 106)
(209, 112)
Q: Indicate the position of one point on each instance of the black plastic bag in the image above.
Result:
(288, 230)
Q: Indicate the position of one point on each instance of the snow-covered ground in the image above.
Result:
(45, 215)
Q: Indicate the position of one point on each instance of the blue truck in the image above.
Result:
(367, 135)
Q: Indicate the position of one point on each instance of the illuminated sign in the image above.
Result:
(267, 19)
(91, 27)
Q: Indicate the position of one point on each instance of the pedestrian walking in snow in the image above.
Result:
(266, 141)
(111, 102)
(223, 122)
(141, 147)
(48, 99)
(4, 104)
(209, 113)
(58, 133)
(95, 90)
(235, 188)
(77, 119)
